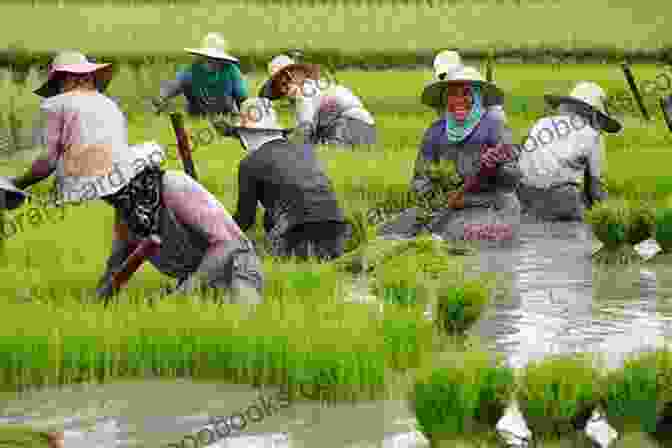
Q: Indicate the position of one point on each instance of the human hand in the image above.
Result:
(494, 155)
(456, 200)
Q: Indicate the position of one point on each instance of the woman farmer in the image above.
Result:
(302, 216)
(273, 66)
(478, 147)
(326, 113)
(87, 149)
(448, 61)
(564, 149)
(212, 85)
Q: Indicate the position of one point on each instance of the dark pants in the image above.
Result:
(324, 240)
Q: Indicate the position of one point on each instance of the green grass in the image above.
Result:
(22, 436)
(381, 28)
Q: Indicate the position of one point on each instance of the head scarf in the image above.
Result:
(456, 132)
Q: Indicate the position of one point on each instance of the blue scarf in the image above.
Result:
(456, 132)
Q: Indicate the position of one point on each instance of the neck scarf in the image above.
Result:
(456, 132)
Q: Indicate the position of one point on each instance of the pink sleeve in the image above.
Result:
(195, 206)
(53, 126)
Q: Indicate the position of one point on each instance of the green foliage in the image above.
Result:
(458, 307)
(663, 229)
(22, 436)
(556, 391)
(460, 392)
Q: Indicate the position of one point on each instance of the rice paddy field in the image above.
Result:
(368, 334)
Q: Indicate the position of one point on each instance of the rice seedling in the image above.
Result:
(663, 235)
(558, 394)
(23, 436)
(619, 225)
(460, 394)
(459, 306)
(631, 394)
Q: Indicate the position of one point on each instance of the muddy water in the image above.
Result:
(554, 301)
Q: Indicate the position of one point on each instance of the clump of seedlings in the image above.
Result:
(631, 394)
(461, 395)
(620, 225)
(557, 395)
(458, 306)
(444, 179)
(22, 435)
(663, 235)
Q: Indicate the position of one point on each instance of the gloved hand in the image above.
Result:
(456, 200)
(494, 155)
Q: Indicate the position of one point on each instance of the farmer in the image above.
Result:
(563, 149)
(302, 216)
(478, 147)
(212, 85)
(448, 61)
(87, 149)
(326, 113)
(273, 66)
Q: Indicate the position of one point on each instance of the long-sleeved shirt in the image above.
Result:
(317, 108)
(481, 185)
(559, 149)
(289, 182)
(196, 230)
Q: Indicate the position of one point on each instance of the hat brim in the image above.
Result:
(431, 95)
(312, 70)
(103, 74)
(666, 109)
(212, 54)
(604, 121)
(13, 197)
(262, 130)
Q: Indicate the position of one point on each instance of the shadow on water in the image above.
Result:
(555, 301)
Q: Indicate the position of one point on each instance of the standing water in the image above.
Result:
(556, 302)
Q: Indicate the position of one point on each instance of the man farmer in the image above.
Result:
(448, 61)
(212, 85)
(326, 113)
(302, 216)
(563, 149)
(477, 145)
(85, 135)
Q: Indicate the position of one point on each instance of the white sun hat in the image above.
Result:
(591, 96)
(447, 58)
(446, 75)
(213, 46)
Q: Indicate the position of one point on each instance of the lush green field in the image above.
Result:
(386, 28)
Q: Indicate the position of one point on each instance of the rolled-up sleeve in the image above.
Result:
(49, 139)
(239, 84)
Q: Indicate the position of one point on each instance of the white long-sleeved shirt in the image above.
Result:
(558, 149)
(320, 107)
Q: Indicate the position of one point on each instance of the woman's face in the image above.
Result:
(70, 82)
(458, 100)
(290, 82)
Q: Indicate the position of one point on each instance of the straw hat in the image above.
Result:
(263, 117)
(213, 46)
(446, 74)
(592, 97)
(13, 196)
(447, 58)
(312, 71)
(74, 62)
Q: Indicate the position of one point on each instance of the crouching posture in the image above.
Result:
(475, 148)
(87, 149)
(561, 150)
(326, 113)
(302, 216)
(212, 85)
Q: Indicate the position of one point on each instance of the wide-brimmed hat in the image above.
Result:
(74, 62)
(590, 96)
(213, 46)
(447, 58)
(264, 117)
(13, 196)
(312, 71)
(446, 74)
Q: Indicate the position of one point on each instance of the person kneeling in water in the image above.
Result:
(302, 216)
(478, 146)
(200, 243)
(553, 165)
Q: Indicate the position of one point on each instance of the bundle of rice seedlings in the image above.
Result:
(620, 225)
(461, 394)
(557, 395)
(631, 394)
(458, 307)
